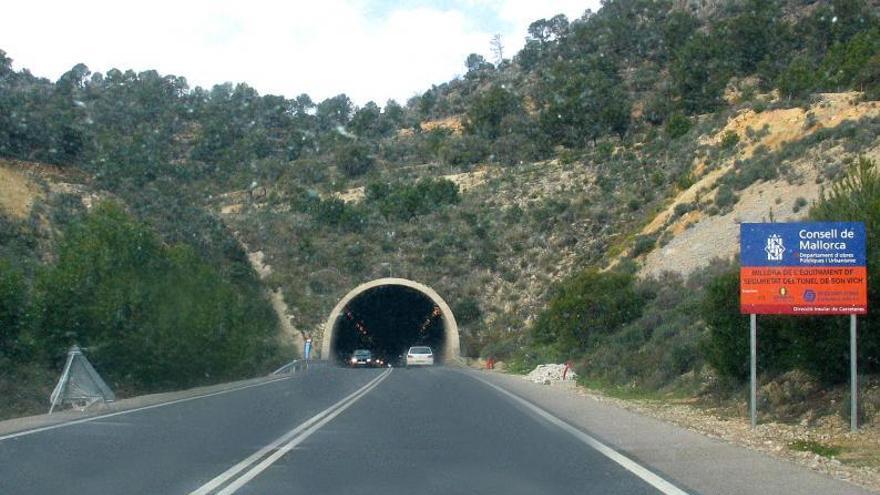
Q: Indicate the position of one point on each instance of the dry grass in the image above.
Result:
(18, 192)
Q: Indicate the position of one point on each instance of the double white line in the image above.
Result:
(238, 475)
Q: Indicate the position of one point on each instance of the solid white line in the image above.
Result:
(144, 408)
(230, 473)
(265, 463)
(624, 461)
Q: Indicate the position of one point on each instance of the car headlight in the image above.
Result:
(354, 360)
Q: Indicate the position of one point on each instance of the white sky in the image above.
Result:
(368, 49)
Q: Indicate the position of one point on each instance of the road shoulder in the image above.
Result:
(40, 421)
(692, 460)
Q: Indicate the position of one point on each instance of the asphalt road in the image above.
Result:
(328, 431)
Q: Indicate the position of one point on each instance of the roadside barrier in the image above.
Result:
(292, 367)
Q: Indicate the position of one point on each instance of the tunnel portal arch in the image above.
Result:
(451, 345)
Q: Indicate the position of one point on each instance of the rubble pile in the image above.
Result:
(549, 373)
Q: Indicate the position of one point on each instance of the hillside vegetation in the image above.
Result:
(151, 315)
(620, 139)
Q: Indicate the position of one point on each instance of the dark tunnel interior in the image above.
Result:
(387, 320)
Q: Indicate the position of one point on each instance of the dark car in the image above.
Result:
(362, 358)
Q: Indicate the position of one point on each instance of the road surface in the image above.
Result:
(330, 430)
(334, 430)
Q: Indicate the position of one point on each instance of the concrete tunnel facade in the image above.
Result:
(451, 343)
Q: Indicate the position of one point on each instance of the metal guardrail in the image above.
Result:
(292, 367)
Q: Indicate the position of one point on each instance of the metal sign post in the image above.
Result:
(753, 365)
(853, 375)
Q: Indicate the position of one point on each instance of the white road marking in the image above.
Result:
(630, 465)
(128, 411)
(283, 444)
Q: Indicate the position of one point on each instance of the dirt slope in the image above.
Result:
(696, 238)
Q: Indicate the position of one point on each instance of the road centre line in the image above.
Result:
(266, 456)
(630, 465)
(143, 408)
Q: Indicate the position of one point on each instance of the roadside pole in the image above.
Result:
(853, 375)
(753, 389)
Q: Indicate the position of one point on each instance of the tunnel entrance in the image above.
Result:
(388, 320)
(387, 316)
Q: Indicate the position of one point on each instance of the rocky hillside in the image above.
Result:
(519, 229)
(809, 147)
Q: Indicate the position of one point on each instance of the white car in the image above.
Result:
(419, 356)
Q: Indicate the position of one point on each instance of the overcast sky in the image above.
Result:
(368, 49)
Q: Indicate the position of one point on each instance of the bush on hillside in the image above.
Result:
(727, 348)
(643, 244)
(868, 79)
(405, 201)
(152, 316)
(677, 125)
(586, 306)
(354, 159)
(462, 150)
(14, 308)
(655, 350)
(332, 212)
(488, 110)
(467, 310)
(856, 197)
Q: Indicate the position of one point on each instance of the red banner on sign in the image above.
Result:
(803, 290)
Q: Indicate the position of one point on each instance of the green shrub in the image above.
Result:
(685, 180)
(467, 311)
(682, 209)
(584, 307)
(815, 447)
(846, 64)
(678, 125)
(868, 79)
(405, 201)
(14, 308)
(463, 150)
(798, 80)
(333, 212)
(154, 316)
(643, 244)
(856, 197)
(725, 197)
(729, 140)
(354, 159)
(727, 348)
(633, 204)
